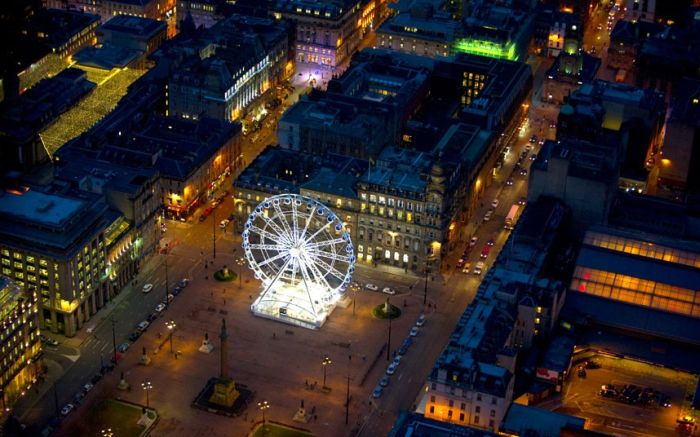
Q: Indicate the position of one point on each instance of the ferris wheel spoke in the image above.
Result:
(277, 276)
(294, 271)
(283, 220)
(273, 259)
(306, 278)
(271, 223)
(295, 223)
(306, 225)
(329, 268)
(335, 256)
(269, 235)
(324, 243)
(269, 246)
(321, 229)
(318, 275)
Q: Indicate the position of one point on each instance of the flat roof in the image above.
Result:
(522, 419)
(134, 25)
(38, 207)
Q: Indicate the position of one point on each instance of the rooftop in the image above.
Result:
(523, 420)
(38, 207)
(416, 425)
(134, 26)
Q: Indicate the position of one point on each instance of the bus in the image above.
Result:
(510, 218)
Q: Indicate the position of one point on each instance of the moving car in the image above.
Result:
(494, 203)
(522, 201)
(466, 268)
(223, 223)
(533, 139)
(523, 172)
(485, 252)
(473, 241)
(388, 290)
(491, 241)
(371, 287)
(460, 262)
(479, 268)
(147, 288)
(487, 217)
(509, 182)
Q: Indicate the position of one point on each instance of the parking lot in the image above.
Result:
(614, 415)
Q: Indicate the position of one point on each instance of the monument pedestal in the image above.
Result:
(225, 392)
(145, 360)
(300, 416)
(206, 347)
(123, 385)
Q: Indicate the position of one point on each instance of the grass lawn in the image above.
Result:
(221, 277)
(120, 417)
(272, 430)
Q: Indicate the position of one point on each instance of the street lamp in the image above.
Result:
(355, 287)
(425, 290)
(213, 231)
(263, 405)
(171, 327)
(114, 343)
(107, 432)
(147, 386)
(240, 261)
(167, 284)
(326, 361)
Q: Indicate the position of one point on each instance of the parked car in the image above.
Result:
(147, 288)
(48, 340)
(487, 216)
(388, 290)
(384, 381)
(391, 369)
(183, 282)
(377, 392)
(397, 360)
(176, 290)
(473, 241)
(169, 298)
(223, 223)
(421, 320)
(494, 203)
(160, 307)
(67, 409)
(87, 387)
(123, 347)
(141, 327)
(78, 397)
(414, 332)
(371, 287)
(403, 350)
(134, 336)
(592, 364)
(151, 317)
(95, 378)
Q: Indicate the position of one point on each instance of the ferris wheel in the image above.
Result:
(303, 255)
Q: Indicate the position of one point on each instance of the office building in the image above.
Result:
(326, 34)
(236, 61)
(626, 39)
(204, 13)
(419, 28)
(106, 9)
(133, 33)
(19, 341)
(57, 244)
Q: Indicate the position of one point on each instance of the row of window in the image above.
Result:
(642, 248)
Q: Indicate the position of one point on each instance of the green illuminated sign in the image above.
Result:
(486, 48)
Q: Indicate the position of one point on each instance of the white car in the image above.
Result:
(377, 392)
(223, 223)
(160, 307)
(391, 369)
(388, 290)
(421, 320)
(473, 241)
(371, 287)
(487, 217)
(87, 387)
(479, 268)
(67, 409)
(147, 288)
(494, 204)
(414, 331)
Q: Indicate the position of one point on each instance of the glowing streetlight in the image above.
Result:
(325, 363)
(147, 386)
(263, 405)
(171, 327)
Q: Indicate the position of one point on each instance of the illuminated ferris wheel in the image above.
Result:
(303, 255)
